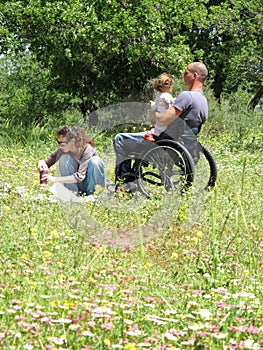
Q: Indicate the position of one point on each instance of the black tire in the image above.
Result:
(165, 166)
(212, 176)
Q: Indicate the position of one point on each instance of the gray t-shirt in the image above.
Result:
(80, 174)
(194, 108)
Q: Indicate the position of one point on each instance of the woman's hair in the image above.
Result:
(163, 81)
(75, 132)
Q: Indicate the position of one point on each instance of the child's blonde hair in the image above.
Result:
(162, 81)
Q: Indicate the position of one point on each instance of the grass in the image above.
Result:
(195, 288)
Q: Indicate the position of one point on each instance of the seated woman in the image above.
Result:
(80, 167)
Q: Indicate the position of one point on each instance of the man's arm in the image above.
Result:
(168, 116)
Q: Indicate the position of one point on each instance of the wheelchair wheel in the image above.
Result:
(205, 169)
(165, 166)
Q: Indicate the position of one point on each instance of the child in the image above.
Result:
(163, 84)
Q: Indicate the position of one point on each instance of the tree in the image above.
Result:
(101, 52)
(26, 97)
(237, 34)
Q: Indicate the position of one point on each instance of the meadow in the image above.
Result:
(196, 288)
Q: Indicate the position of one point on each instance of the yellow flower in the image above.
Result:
(129, 346)
(34, 231)
(199, 234)
(148, 265)
(107, 341)
(195, 239)
(54, 234)
(46, 254)
(174, 256)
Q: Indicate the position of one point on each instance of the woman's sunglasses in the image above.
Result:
(63, 143)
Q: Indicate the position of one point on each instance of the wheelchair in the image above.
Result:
(168, 165)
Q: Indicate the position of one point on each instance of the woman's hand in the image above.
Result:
(49, 178)
(42, 165)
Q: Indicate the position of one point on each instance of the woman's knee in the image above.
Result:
(67, 164)
(95, 161)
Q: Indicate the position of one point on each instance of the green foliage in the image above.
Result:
(101, 52)
(93, 54)
(236, 36)
(231, 122)
(26, 94)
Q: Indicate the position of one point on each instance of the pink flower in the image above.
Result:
(91, 324)
(213, 327)
(253, 330)
(107, 326)
(110, 287)
(221, 304)
(134, 332)
(150, 299)
(189, 342)
(236, 329)
(170, 336)
(149, 246)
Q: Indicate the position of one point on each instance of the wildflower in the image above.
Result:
(253, 330)
(221, 304)
(107, 326)
(206, 275)
(204, 313)
(199, 234)
(91, 324)
(87, 334)
(74, 327)
(174, 256)
(46, 254)
(149, 246)
(62, 320)
(195, 239)
(195, 327)
(107, 341)
(170, 336)
(129, 346)
(58, 340)
(219, 335)
(236, 329)
(134, 332)
(189, 342)
(34, 231)
(53, 234)
(251, 344)
(143, 345)
(28, 347)
(110, 287)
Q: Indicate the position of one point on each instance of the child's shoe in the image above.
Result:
(149, 137)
